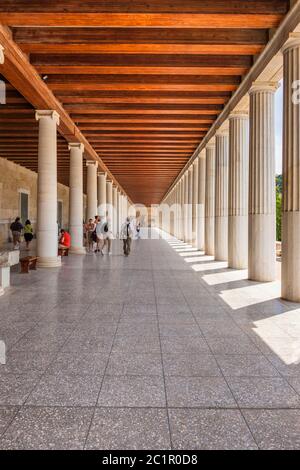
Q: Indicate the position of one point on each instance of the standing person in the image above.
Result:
(64, 239)
(16, 230)
(126, 236)
(99, 235)
(107, 233)
(90, 228)
(28, 233)
(138, 229)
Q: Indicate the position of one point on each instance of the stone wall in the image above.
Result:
(13, 180)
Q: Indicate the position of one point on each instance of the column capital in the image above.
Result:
(109, 182)
(263, 86)
(239, 114)
(1, 54)
(223, 130)
(101, 173)
(292, 42)
(91, 163)
(201, 154)
(76, 145)
(47, 113)
(211, 143)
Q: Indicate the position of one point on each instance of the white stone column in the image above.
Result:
(238, 190)
(101, 191)
(182, 223)
(221, 208)
(210, 198)
(262, 218)
(186, 201)
(115, 209)
(76, 198)
(290, 271)
(190, 205)
(201, 201)
(91, 189)
(109, 201)
(47, 235)
(195, 202)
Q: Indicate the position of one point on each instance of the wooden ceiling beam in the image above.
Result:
(145, 20)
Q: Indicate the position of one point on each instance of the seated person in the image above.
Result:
(64, 239)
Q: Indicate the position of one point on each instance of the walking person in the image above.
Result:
(99, 235)
(16, 229)
(28, 233)
(126, 235)
(107, 233)
(90, 228)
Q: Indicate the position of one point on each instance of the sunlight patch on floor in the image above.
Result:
(209, 266)
(251, 295)
(228, 276)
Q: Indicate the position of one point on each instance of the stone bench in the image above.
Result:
(27, 263)
(7, 259)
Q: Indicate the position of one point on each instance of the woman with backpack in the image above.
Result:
(28, 233)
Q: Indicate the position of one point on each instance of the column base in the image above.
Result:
(51, 262)
(221, 238)
(290, 262)
(80, 250)
(262, 248)
(238, 242)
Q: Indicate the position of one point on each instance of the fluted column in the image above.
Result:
(47, 240)
(238, 190)
(91, 189)
(76, 198)
(115, 208)
(109, 201)
(190, 205)
(262, 221)
(290, 271)
(101, 190)
(201, 202)
(182, 224)
(195, 202)
(186, 212)
(221, 216)
(210, 199)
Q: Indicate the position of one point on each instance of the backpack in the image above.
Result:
(105, 228)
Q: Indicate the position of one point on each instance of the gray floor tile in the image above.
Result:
(136, 344)
(262, 392)
(184, 345)
(244, 365)
(275, 429)
(66, 390)
(134, 364)
(201, 392)
(209, 429)
(190, 364)
(7, 414)
(84, 364)
(15, 388)
(48, 428)
(236, 344)
(131, 428)
(132, 391)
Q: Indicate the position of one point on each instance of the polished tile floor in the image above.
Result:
(166, 349)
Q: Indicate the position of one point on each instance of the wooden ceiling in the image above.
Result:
(142, 80)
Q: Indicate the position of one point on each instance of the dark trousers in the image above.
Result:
(126, 245)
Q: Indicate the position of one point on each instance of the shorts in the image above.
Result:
(106, 236)
(28, 237)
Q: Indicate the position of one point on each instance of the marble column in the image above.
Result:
(210, 199)
(238, 190)
(190, 205)
(262, 218)
(201, 202)
(76, 198)
(182, 224)
(290, 270)
(91, 189)
(186, 209)
(195, 202)
(109, 201)
(47, 236)
(221, 207)
(101, 191)
(115, 209)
